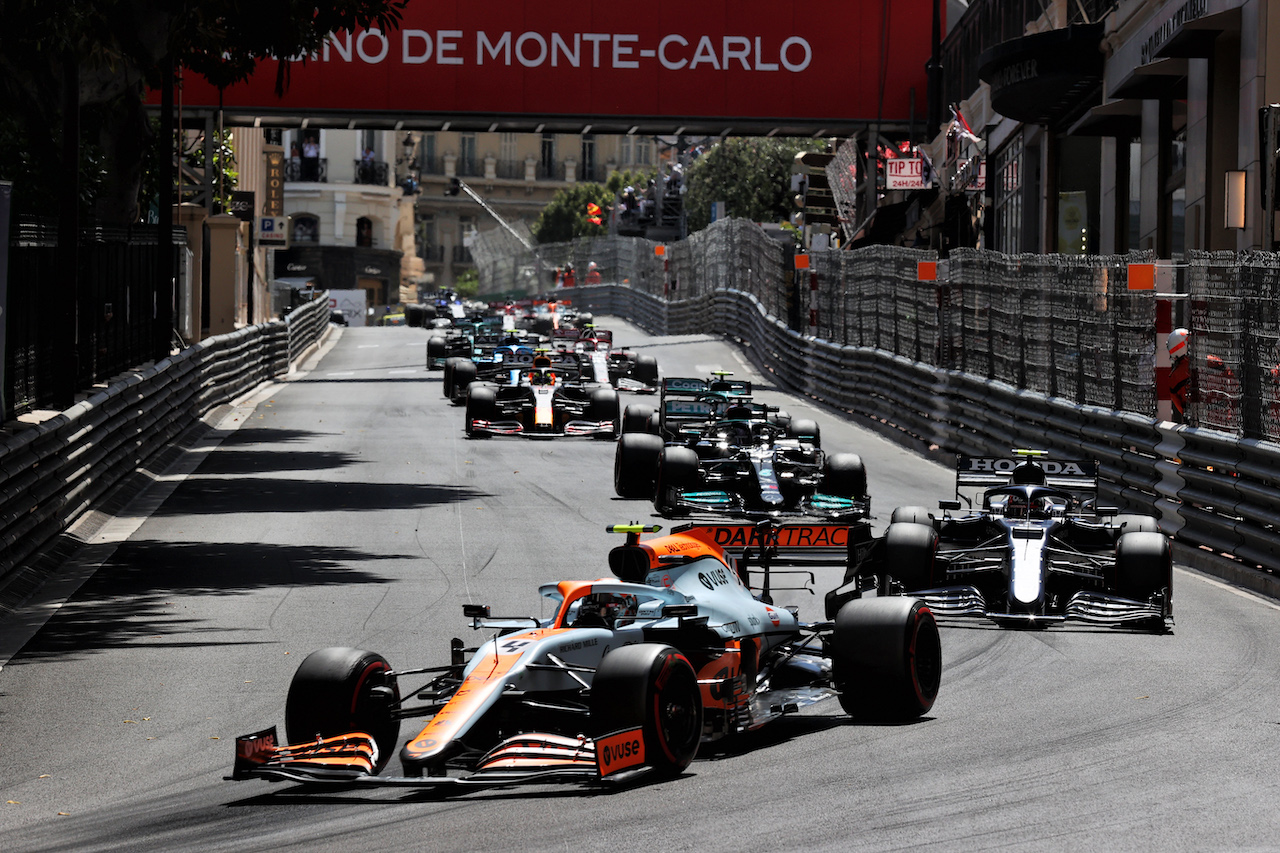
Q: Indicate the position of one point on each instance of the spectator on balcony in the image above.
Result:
(366, 167)
(295, 159)
(310, 159)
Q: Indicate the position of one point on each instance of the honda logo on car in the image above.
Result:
(984, 464)
(619, 751)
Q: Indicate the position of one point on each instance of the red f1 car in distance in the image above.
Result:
(628, 676)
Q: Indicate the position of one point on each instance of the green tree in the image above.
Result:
(566, 218)
(119, 48)
(752, 176)
(467, 284)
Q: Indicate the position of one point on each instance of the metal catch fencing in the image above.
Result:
(1063, 325)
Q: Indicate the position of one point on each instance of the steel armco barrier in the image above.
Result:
(1213, 491)
(51, 473)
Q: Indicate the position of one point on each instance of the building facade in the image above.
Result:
(350, 217)
(1084, 126)
(517, 174)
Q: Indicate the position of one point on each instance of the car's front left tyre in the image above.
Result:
(886, 656)
(655, 688)
(338, 691)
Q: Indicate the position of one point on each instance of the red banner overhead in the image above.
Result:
(717, 62)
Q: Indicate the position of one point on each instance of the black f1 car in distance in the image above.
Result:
(743, 465)
(1032, 549)
(628, 676)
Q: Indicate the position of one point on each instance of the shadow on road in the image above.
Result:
(129, 602)
(255, 494)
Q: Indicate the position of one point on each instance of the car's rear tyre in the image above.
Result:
(886, 658)
(912, 515)
(844, 475)
(654, 687)
(636, 418)
(635, 464)
(464, 373)
(1144, 564)
(910, 554)
(645, 370)
(604, 406)
(677, 470)
(446, 384)
(337, 691)
(436, 350)
(481, 406)
(805, 430)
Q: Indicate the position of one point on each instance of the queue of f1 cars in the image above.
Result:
(628, 677)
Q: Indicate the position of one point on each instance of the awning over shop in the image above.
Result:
(1044, 78)
(1121, 118)
(1163, 78)
(1195, 38)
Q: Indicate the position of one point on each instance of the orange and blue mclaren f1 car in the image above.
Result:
(682, 646)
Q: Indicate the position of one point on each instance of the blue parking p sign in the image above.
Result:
(273, 230)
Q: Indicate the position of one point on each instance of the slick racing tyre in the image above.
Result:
(446, 383)
(634, 464)
(436, 350)
(844, 475)
(637, 417)
(464, 373)
(677, 470)
(645, 370)
(481, 406)
(805, 430)
(1144, 564)
(654, 687)
(339, 690)
(912, 514)
(910, 552)
(886, 658)
(603, 406)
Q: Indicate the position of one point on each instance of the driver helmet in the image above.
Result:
(1177, 342)
(738, 413)
(613, 606)
(1028, 473)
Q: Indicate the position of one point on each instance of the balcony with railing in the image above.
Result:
(308, 169)
(431, 253)
(462, 255)
(511, 170)
(373, 172)
(549, 171)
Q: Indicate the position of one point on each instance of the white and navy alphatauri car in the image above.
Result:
(1025, 543)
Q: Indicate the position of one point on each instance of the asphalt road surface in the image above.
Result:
(346, 507)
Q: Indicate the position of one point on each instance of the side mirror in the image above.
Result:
(475, 611)
(954, 505)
